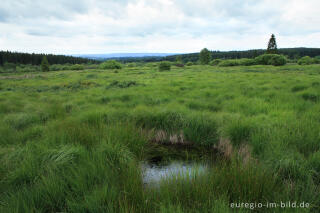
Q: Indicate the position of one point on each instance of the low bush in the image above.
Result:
(56, 67)
(271, 59)
(9, 67)
(60, 67)
(189, 63)
(132, 64)
(215, 62)
(164, 65)
(247, 62)
(92, 66)
(278, 61)
(77, 67)
(179, 65)
(229, 63)
(27, 68)
(234, 62)
(307, 60)
(152, 64)
(111, 64)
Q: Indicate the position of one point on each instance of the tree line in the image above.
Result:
(36, 59)
(292, 53)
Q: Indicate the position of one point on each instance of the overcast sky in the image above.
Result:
(168, 26)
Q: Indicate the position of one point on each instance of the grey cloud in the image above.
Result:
(21, 10)
(116, 25)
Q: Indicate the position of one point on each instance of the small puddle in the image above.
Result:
(172, 162)
(154, 173)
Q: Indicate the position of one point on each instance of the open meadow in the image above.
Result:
(73, 141)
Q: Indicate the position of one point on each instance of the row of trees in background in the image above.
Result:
(278, 57)
(36, 59)
(291, 53)
(25, 62)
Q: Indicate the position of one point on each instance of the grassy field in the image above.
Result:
(71, 141)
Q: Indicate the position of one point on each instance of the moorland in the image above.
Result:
(73, 140)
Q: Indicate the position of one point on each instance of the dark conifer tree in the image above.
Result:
(272, 45)
(45, 64)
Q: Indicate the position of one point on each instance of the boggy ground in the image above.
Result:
(72, 141)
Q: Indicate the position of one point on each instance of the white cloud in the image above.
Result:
(96, 26)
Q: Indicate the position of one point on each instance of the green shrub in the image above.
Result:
(215, 62)
(132, 64)
(179, 65)
(92, 66)
(56, 67)
(307, 60)
(271, 59)
(111, 64)
(189, 63)
(152, 64)
(278, 61)
(233, 62)
(247, 62)
(205, 56)
(27, 68)
(77, 67)
(164, 65)
(229, 63)
(9, 67)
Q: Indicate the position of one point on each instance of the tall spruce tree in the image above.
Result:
(272, 45)
(45, 64)
(205, 56)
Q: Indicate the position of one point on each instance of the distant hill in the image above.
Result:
(123, 55)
